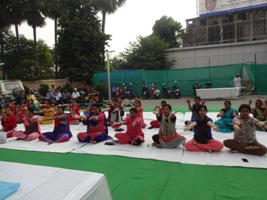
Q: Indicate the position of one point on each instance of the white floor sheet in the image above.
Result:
(43, 183)
(146, 150)
(37, 145)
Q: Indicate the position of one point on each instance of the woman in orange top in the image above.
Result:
(21, 110)
(74, 110)
(140, 109)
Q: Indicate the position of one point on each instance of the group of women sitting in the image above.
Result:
(25, 113)
(241, 123)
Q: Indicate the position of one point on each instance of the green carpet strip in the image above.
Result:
(139, 179)
(184, 109)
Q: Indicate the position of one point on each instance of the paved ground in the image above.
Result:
(211, 102)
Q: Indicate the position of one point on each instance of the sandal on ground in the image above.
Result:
(119, 129)
(112, 142)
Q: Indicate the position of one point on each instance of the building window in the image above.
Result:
(203, 22)
(242, 16)
(230, 18)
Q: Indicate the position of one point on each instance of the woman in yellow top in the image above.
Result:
(32, 96)
(48, 113)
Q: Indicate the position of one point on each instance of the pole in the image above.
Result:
(209, 69)
(108, 72)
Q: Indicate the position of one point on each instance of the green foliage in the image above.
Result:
(169, 30)
(80, 43)
(101, 89)
(67, 87)
(44, 89)
(23, 66)
(147, 53)
(117, 63)
(107, 7)
(26, 89)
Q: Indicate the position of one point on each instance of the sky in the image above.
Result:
(134, 18)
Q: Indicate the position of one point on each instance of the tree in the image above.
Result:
(169, 30)
(107, 7)
(17, 9)
(117, 63)
(5, 22)
(147, 53)
(34, 17)
(23, 67)
(80, 41)
(53, 10)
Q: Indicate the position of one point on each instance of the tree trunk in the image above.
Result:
(2, 52)
(56, 71)
(35, 51)
(17, 37)
(103, 21)
(103, 31)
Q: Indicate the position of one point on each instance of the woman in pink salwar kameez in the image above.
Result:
(32, 127)
(134, 134)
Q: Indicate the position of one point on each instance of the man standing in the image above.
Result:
(237, 81)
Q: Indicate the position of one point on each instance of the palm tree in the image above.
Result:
(53, 10)
(17, 9)
(34, 18)
(5, 22)
(107, 7)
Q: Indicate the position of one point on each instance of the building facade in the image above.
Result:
(226, 32)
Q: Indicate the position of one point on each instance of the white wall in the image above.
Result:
(219, 54)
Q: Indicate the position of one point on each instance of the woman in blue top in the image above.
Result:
(61, 132)
(225, 123)
(202, 140)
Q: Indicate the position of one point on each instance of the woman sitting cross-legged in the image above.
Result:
(202, 140)
(8, 122)
(260, 111)
(134, 134)
(97, 130)
(74, 109)
(21, 110)
(32, 106)
(140, 110)
(157, 109)
(245, 140)
(225, 123)
(32, 127)
(167, 136)
(48, 114)
(61, 132)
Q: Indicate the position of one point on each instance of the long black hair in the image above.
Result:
(201, 129)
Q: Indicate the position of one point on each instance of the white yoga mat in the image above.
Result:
(146, 150)
(37, 145)
(43, 183)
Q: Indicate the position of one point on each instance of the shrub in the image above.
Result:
(44, 89)
(67, 87)
(101, 89)
(27, 89)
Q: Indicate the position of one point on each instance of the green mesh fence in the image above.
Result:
(220, 76)
(261, 78)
